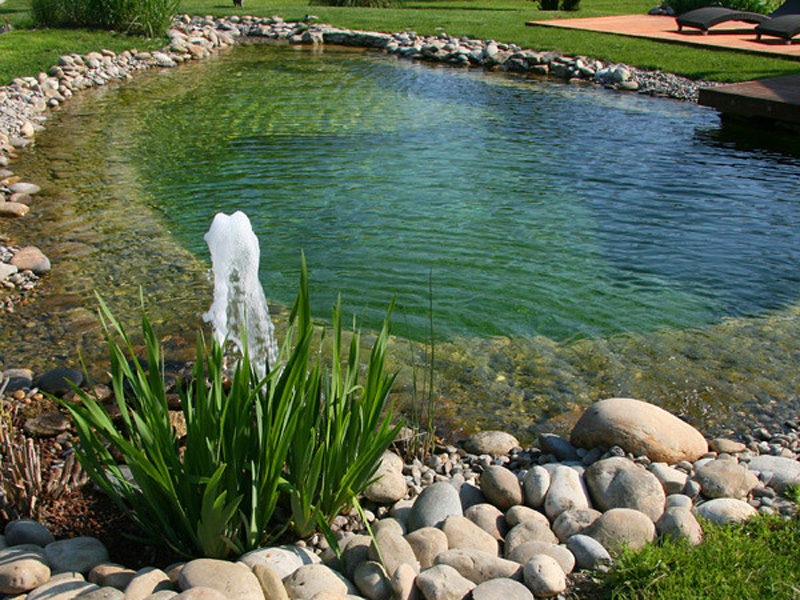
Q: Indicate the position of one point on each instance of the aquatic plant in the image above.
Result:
(304, 434)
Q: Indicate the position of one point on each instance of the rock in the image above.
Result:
(22, 187)
(427, 543)
(785, 471)
(111, 575)
(524, 552)
(27, 531)
(7, 270)
(725, 510)
(489, 518)
(721, 445)
(22, 568)
(434, 505)
(639, 428)
(309, 580)
(566, 492)
(13, 210)
(27, 129)
(62, 588)
(443, 582)
(507, 589)
(620, 483)
(234, 580)
(490, 442)
(403, 583)
(31, 258)
(356, 551)
(79, 554)
(47, 425)
(501, 487)
(470, 495)
(558, 447)
(463, 533)
(725, 479)
(390, 486)
(680, 524)
(479, 566)
(371, 579)
(56, 381)
(520, 513)
(535, 485)
(147, 581)
(544, 576)
(573, 521)
(588, 552)
(270, 582)
(284, 560)
(672, 480)
(622, 527)
(532, 530)
(679, 500)
(394, 550)
(199, 593)
(103, 593)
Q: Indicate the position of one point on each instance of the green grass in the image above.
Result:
(26, 53)
(757, 559)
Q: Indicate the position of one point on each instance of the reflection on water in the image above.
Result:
(582, 243)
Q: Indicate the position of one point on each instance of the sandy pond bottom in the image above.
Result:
(580, 243)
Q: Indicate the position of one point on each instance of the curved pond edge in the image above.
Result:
(27, 102)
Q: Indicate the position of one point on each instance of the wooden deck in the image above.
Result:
(728, 36)
(776, 99)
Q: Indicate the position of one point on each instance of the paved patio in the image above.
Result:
(733, 35)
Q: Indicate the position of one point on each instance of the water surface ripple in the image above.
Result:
(579, 242)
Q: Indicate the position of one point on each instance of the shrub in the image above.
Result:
(570, 4)
(219, 494)
(361, 3)
(146, 17)
(759, 6)
(548, 4)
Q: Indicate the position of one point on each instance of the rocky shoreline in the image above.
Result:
(481, 519)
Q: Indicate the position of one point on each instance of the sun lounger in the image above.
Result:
(704, 18)
(785, 27)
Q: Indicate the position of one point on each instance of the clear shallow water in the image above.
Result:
(581, 243)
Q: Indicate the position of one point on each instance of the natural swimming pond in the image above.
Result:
(579, 243)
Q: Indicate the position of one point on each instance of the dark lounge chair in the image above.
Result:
(704, 18)
(785, 27)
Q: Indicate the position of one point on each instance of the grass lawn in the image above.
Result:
(28, 52)
(757, 559)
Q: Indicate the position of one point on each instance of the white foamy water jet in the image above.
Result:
(239, 305)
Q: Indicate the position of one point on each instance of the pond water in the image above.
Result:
(573, 242)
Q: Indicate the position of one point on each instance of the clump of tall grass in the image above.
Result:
(144, 17)
(308, 436)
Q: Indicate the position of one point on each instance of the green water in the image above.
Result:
(579, 243)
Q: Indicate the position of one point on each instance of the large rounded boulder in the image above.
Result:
(640, 428)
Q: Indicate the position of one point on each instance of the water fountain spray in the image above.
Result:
(239, 308)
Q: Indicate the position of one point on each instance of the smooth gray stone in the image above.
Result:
(434, 505)
(618, 482)
(501, 589)
(27, 531)
(588, 552)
